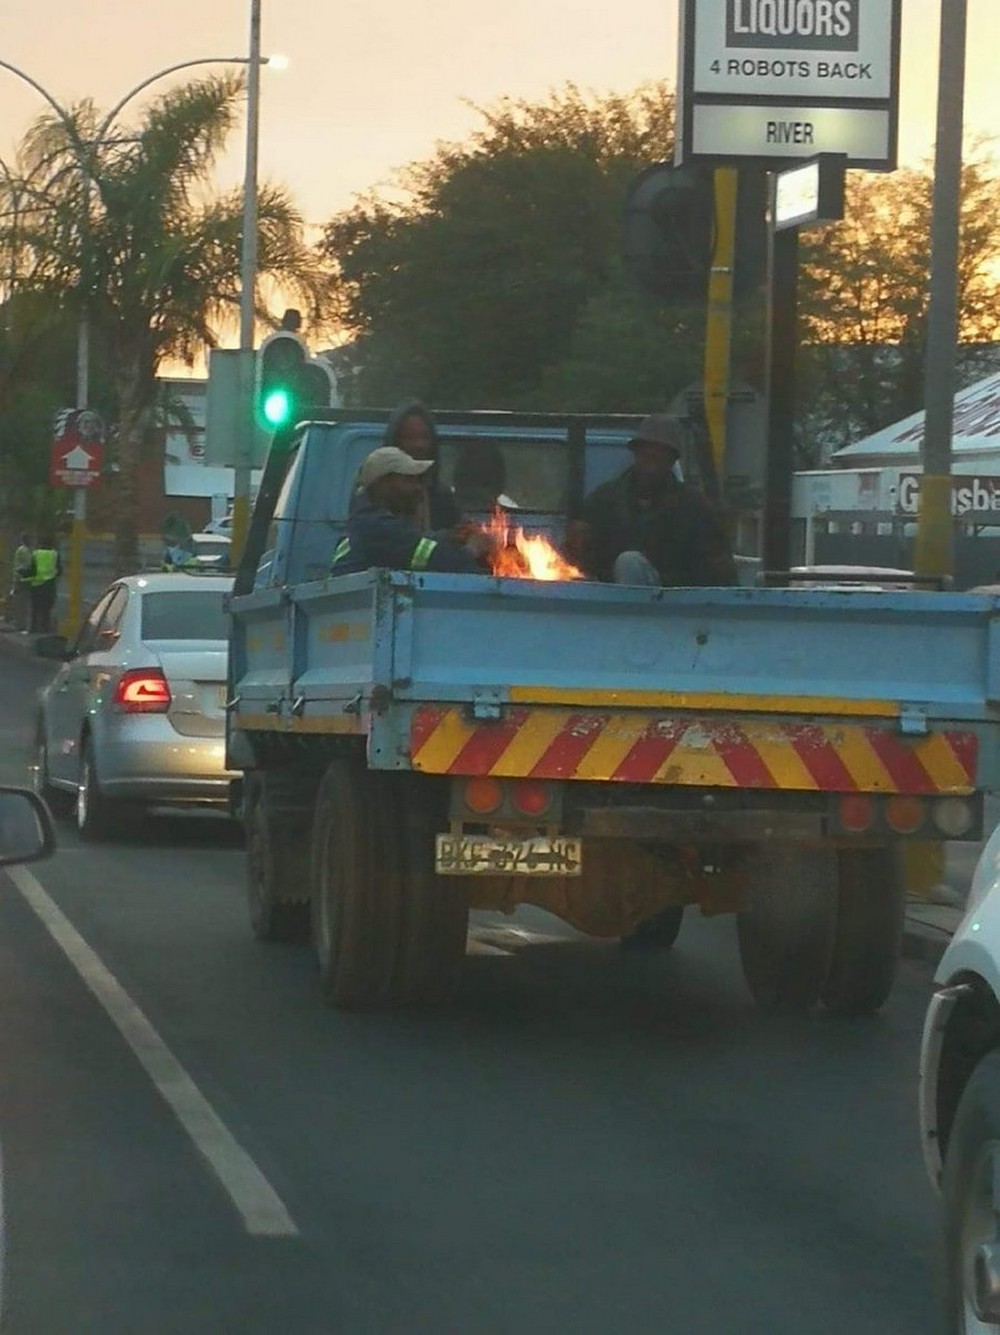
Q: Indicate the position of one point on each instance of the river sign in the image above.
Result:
(769, 82)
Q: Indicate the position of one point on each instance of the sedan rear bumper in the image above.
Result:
(151, 762)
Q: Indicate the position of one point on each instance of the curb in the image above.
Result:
(923, 942)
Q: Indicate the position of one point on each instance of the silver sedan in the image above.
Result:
(136, 713)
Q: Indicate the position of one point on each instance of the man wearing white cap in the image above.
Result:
(383, 531)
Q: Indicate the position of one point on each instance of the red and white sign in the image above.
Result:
(77, 449)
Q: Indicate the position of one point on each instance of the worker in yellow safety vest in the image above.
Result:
(47, 568)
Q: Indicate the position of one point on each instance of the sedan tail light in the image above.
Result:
(142, 691)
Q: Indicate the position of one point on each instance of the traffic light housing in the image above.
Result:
(669, 231)
(289, 382)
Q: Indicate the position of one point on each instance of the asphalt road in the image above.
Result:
(586, 1141)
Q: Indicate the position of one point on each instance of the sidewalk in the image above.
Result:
(929, 924)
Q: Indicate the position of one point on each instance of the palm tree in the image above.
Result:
(126, 229)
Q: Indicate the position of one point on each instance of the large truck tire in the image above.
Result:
(388, 931)
(656, 933)
(436, 908)
(277, 866)
(871, 901)
(788, 928)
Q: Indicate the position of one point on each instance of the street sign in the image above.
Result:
(763, 81)
(77, 448)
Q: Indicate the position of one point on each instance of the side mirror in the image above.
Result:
(26, 831)
(52, 646)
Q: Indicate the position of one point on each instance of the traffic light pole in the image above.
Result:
(718, 334)
(248, 288)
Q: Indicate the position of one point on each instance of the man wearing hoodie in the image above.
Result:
(411, 429)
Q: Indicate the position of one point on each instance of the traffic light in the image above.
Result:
(669, 231)
(289, 382)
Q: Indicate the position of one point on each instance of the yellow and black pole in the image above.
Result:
(718, 333)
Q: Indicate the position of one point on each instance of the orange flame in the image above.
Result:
(517, 555)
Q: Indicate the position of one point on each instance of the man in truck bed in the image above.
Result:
(383, 531)
(648, 527)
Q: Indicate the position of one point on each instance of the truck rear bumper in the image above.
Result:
(700, 827)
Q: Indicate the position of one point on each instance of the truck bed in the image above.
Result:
(406, 659)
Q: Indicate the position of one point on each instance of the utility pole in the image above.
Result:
(934, 553)
(248, 288)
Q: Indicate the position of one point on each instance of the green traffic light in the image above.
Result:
(277, 407)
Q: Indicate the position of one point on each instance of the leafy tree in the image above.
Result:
(864, 301)
(126, 229)
(493, 277)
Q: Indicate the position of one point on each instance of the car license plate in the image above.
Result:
(482, 855)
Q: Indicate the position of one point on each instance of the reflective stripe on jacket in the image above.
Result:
(378, 538)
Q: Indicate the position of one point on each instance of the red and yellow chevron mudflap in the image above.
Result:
(637, 747)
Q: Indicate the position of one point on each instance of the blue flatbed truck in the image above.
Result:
(416, 745)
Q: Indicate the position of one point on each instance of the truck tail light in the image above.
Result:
(483, 795)
(954, 816)
(905, 815)
(856, 813)
(531, 797)
(142, 691)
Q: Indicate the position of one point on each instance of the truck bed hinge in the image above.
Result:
(913, 720)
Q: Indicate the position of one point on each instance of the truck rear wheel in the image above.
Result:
(387, 930)
(871, 902)
(787, 930)
(277, 868)
(656, 933)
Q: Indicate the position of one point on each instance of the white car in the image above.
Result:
(223, 526)
(960, 1102)
(212, 551)
(136, 714)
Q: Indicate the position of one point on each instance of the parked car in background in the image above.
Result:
(223, 526)
(212, 551)
(136, 713)
(960, 1102)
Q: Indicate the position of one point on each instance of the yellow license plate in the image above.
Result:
(483, 855)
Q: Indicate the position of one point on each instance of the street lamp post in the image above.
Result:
(248, 291)
(248, 269)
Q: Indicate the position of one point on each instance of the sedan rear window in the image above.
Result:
(188, 614)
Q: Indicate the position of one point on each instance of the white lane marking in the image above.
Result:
(3, 1239)
(263, 1212)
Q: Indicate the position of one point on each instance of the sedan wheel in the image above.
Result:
(971, 1195)
(92, 814)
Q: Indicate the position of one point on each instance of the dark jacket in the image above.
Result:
(376, 537)
(443, 511)
(681, 533)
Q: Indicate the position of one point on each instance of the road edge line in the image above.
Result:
(259, 1205)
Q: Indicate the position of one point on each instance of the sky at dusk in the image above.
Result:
(373, 84)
